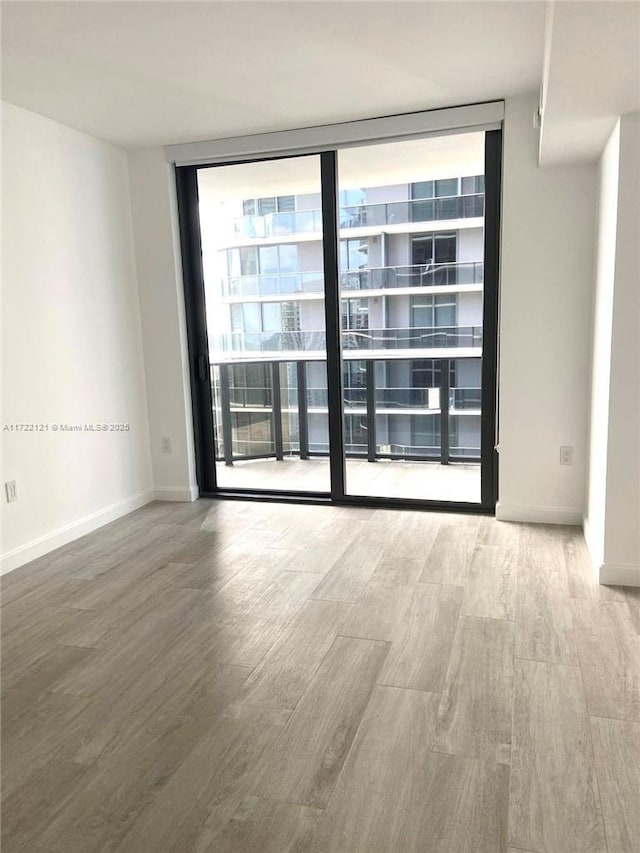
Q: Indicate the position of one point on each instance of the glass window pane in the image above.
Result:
(286, 203)
(446, 187)
(251, 316)
(445, 311)
(268, 259)
(422, 189)
(250, 340)
(288, 255)
(445, 248)
(290, 316)
(248, 261)
(468, 185)
(411, 422)
(266, 205)
(236, 318)
(358, 254)
(233, 262)
(271, 320)
(422, 250)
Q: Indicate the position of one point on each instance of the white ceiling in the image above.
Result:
(155, 73)
(148, 73)
(594, 76)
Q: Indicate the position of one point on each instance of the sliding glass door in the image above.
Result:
(412, 280)
(262, 260)
(341, 313)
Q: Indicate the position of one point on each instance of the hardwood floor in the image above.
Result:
(227, 676)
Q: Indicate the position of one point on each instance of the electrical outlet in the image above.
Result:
(165, 444)
(566, 455)
(11, 491)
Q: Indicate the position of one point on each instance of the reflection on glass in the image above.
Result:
(266, 343)
(411, 280)
(411, 275)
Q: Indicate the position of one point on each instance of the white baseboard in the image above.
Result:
(63, 535)
(177, 493)
(539, 514)
(619, 574)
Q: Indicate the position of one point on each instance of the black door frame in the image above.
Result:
(198, 348)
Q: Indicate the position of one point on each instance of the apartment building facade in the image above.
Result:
(411, 287)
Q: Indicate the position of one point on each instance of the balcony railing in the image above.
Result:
(279, 224)
(363, 216)
(293, 397)
(432, 337)
(460, 399)
(415, 210)
(371, 278)
(273, 285)
(417, 275)
(355, 397)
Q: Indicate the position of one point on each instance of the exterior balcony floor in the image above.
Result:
(385, 478)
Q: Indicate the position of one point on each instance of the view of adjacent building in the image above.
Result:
(411, 282)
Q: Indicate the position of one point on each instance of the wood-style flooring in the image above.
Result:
(239, 677)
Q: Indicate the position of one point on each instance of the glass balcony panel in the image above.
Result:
(423, 210)
(427, 338)
(252, 434)
(465, 405)
(362, 216)
(464, 437)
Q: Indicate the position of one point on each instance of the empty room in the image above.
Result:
(320, 479)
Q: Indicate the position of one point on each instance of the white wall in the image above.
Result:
(163, 325)
(605, 254)
(546, 294)
(622, 532)
(547, 284)
(612, 521)
(72, 351)
(470, 244)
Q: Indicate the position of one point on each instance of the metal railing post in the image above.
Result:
(276, 409)
(371, 411)
(444, 411)
(225, 410)
(303, 421)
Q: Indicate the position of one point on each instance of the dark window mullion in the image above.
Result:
(197, 337)
(329, 188)
(488, 434)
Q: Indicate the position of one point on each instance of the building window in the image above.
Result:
(435, 248)
(251, 432)
(354, 374)
(425, 373)
(250, 384)
(254, 317)
(429, 310)
(351, 208)
(270, 204)
(354, 254)
(355, 434)
(355, 314)
(263, 260)
(425, 434)
(290, 316)
(473, 185)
